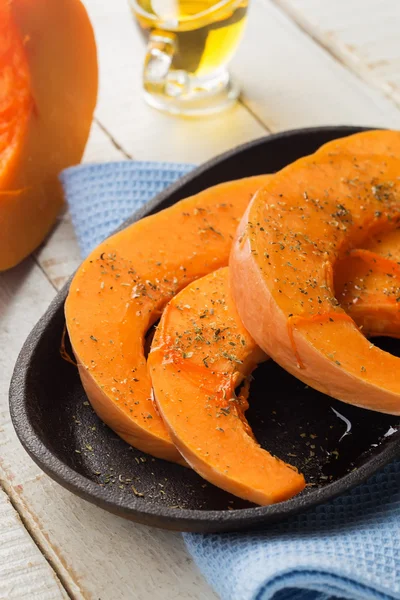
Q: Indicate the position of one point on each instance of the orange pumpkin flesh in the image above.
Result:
(306, 218)
(15, 96)
(367, 285)
(120, 290)
(200, 353)
(48, 70)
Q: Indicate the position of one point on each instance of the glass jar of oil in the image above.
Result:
(190, 43)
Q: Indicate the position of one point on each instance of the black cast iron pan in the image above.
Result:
(335, 445)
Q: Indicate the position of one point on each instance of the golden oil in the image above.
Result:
(205, 33)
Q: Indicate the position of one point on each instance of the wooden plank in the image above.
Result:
(290, 81)
(100, 147)
(59, 255)
(24, 572)
(143, 132)
(94, 553)
(24, 295)
(362, 34)
(102, 555)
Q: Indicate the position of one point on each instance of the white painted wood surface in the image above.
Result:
(290, 79)
(59, 255)
(24, 572)
(362, 34)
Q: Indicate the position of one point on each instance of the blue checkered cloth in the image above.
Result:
(348, 548)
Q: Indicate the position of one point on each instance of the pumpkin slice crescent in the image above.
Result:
(120, 290)
(200, 354)
(309, 216)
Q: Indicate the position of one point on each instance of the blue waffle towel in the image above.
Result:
(349, 548)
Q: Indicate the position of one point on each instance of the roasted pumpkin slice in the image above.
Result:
(120, 290)
(367, 285)
(200, 354)
(309, 216)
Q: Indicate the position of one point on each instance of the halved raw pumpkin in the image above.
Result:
(306, 218)
(15, 97)
(120, 290)
(367, 285)
(48, 73)
(200, 353)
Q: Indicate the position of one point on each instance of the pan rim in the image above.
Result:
(182, 519)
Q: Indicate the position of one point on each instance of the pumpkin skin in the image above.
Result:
(309, 216)
(47, 49)
(120, 290)
(200, 353)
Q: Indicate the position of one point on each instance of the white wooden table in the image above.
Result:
(302, 63)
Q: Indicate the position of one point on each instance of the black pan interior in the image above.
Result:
(335, 445)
